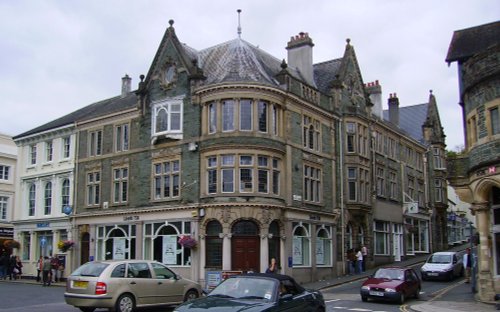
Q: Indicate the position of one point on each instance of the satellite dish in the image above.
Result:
(67, 210)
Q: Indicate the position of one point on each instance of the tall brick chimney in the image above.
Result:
(393, 103)
(300, 56)
(126, 85)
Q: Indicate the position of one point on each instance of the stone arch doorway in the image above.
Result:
(245, 246)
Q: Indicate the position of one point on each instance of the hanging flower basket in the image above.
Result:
(10, 244)
(65, 245)
(187, 241)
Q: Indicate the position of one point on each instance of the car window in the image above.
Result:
(138, 270)
(249, 288)
(119, 271)
(291, 287)
(90, 269)
(162, 271)
(439, 259)
(390, 274)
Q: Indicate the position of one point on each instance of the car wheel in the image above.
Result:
(401, 298)
(86, 309)
(451, 276)
(125, 303)
(364, 298)
(191, 294)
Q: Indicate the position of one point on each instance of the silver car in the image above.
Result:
(124, 285)
(442, 265)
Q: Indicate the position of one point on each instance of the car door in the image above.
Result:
(170, 289)
(141, 283)
(412, 282)
(293, 298)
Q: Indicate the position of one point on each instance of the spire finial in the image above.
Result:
(239, 24)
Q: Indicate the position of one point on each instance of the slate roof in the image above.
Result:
(468, 42)
(238, 61)
(411, 119)
(324, 74)
(94, 110)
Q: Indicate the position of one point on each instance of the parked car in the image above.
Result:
(257, 292)
(393, 284)
(125, 285)
(442, 265)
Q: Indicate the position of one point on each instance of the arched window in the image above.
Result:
(245, 227)
(47, 198)
(301, 245)
(116, 242)
(32, 199)
(65, 193)
(361, 236)
(213, 245)
(324, 246)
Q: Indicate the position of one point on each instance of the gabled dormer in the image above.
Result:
(349, 74)
(164, 92)
(432, 130)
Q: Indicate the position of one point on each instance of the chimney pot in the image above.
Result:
(126, 85)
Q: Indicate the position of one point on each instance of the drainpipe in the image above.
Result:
(342, 221)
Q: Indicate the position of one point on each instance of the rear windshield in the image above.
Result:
(439, 259)
(90, 269)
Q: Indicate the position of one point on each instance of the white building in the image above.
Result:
(8, 159)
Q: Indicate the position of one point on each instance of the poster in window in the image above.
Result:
(169, 250)
(118, 248)
(320, 251)
(297, 250)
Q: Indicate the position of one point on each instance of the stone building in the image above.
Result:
(475, 174)
(226, 157)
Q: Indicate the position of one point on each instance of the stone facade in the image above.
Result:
(475, 173)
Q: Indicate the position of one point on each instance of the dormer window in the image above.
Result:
(167, 118)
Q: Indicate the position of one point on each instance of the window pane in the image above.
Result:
(228, 115)
(262, 116)
(227, 180)
(246, 119)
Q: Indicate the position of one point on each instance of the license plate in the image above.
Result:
(432, 274)
(80, 284)
(376, 293)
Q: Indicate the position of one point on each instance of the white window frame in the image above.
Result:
(169, 108)
(49, 151)
(122, 137)
(120, 185)
(66, 147)
(4, 207)
(324, 244)
(301, 249)
(4, 172)
(95, 143)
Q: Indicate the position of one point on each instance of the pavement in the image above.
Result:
(432, 305)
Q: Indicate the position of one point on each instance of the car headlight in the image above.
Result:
(365, 287)
(390, 290)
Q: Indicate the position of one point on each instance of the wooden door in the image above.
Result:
(245, 253)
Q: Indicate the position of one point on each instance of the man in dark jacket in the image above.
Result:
(10, 268)
(4, 264)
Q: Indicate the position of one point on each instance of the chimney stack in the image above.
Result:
(374, 90)
(300, 56)
(126, 85)
(393, 109)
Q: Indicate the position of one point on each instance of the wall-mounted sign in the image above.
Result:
(6, 232)
(131, 218)
(42, 224)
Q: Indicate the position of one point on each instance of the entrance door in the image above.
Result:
(245, 247)
(246, 256)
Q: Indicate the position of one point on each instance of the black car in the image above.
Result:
(257, 292)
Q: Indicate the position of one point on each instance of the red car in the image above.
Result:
(393, 284)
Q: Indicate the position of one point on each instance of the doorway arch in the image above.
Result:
(245, 246)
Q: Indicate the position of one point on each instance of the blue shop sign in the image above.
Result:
(42, 224)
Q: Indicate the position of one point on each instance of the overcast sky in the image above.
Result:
(59, 56)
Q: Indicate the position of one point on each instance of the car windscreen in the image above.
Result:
(389, 274)
(90, 269)
(246, 288)
(439, 259)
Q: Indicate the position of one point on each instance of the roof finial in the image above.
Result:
(239, 24)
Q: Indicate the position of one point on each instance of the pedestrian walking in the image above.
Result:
(359, 261)
(54, 263)
(364, 251)
(351, 261)
(11, 266)
(467, 263)
(18, 268)
(46, 268)
(39, 265)
(4, 264)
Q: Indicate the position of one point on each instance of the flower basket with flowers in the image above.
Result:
(187, 241)
(65, 245)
